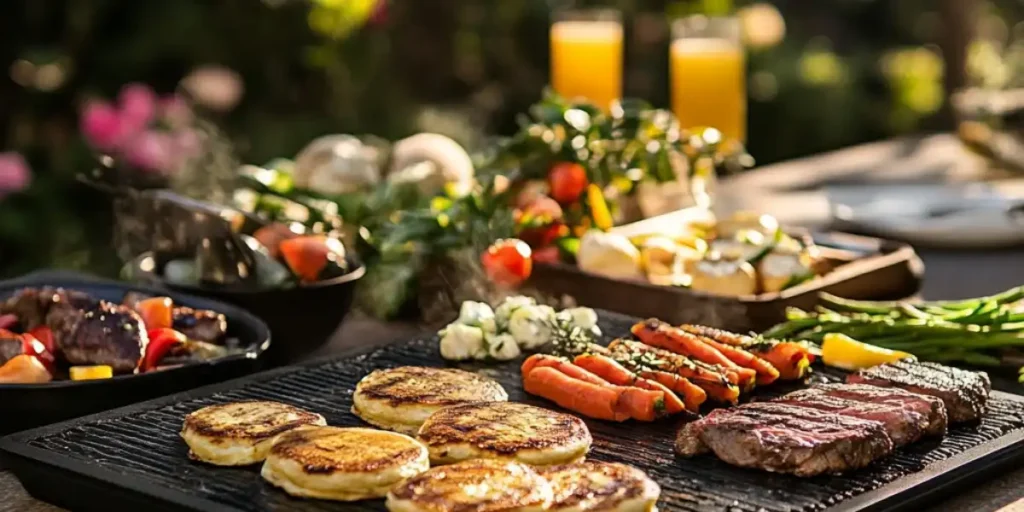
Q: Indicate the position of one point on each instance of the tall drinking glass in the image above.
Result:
(586, 55)
(708, 73)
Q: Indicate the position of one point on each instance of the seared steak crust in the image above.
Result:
(108, 334)
(784, 438)
(963, 392)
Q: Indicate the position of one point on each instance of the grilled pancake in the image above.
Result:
(504, 430)
(344, 464)
(480, 485)
(401, 398)
(241, 433)
(605, 486)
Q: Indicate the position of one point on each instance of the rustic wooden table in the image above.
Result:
(792, 192)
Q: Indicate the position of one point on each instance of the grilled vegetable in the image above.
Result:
(156, 312)
(161, 341)
(312, 258)
(24, 369)
(847, 353)
(613, 372)
(659, 334)
(791, 359)
(91, 372)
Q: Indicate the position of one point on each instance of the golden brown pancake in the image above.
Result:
(604, 486)
(343, 464)
(504, 430)
(241, 433)
(481, 485)
(401, 398)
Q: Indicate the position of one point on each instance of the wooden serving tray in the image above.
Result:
(860, 268)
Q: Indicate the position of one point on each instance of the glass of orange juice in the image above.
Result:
(586, 55)
(708, 75)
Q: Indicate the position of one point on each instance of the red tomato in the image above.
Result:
(549, 254)
(507, 262)
(567, 181)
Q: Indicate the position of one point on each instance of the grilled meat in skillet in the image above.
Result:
(199, 324)
(903, 425)
(32, 306)
(963, 392)
(928, 406)
(10, 347)
(784, 438)
(107, 334)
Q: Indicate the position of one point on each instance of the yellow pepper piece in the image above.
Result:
(91, 372)
(598, 208)
(842, 351)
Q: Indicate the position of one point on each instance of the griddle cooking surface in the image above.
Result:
(144, 446)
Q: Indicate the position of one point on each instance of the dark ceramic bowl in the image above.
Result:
(302, 318)
(25, 406)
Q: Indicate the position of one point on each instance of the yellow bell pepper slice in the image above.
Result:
(598, 208)
(842, 351)
(91, 372)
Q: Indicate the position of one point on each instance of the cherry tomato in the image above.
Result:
(507, 262)
(545, 235)
(549, 254)
(272, 235)
(543, 208)
(567, 181)
(308, 256)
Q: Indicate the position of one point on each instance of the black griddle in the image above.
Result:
(133, 459)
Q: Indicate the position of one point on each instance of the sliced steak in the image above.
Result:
(928, 406)
(32, 305)
(903, 426)
(200, 324)
(784, 438)
(107, 334)
(963, 392)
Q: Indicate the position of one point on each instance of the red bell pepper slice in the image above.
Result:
(160, 343)
(32, 346)
(45, 336)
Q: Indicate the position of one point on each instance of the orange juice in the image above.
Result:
(586, 60)
(708, 85)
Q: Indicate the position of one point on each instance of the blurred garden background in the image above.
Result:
(273, 74)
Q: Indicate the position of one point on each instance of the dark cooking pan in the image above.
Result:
(24, 406)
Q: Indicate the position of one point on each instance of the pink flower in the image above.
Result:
(15, 175)
(137, 105)
(102, 126)
(152, 151)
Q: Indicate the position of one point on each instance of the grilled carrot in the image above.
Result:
(719, 386)
(586, 398)
(660, 334)
(563, 365)
(633, 402)
(693, 396)
(613, 372)
(789, 358)
(766, 373)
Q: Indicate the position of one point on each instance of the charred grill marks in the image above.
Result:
(963, 392)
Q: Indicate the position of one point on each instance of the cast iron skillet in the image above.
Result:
(25, 406)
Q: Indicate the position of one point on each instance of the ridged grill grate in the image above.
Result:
(147, 445)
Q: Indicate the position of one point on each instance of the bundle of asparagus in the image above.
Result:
(978, 331)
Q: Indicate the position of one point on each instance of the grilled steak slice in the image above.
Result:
(107, 334)
(32, 305)
(785, 438)
(930, 407)
(200, 324)
(963, 392)
(903, 426)
(10, 347)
